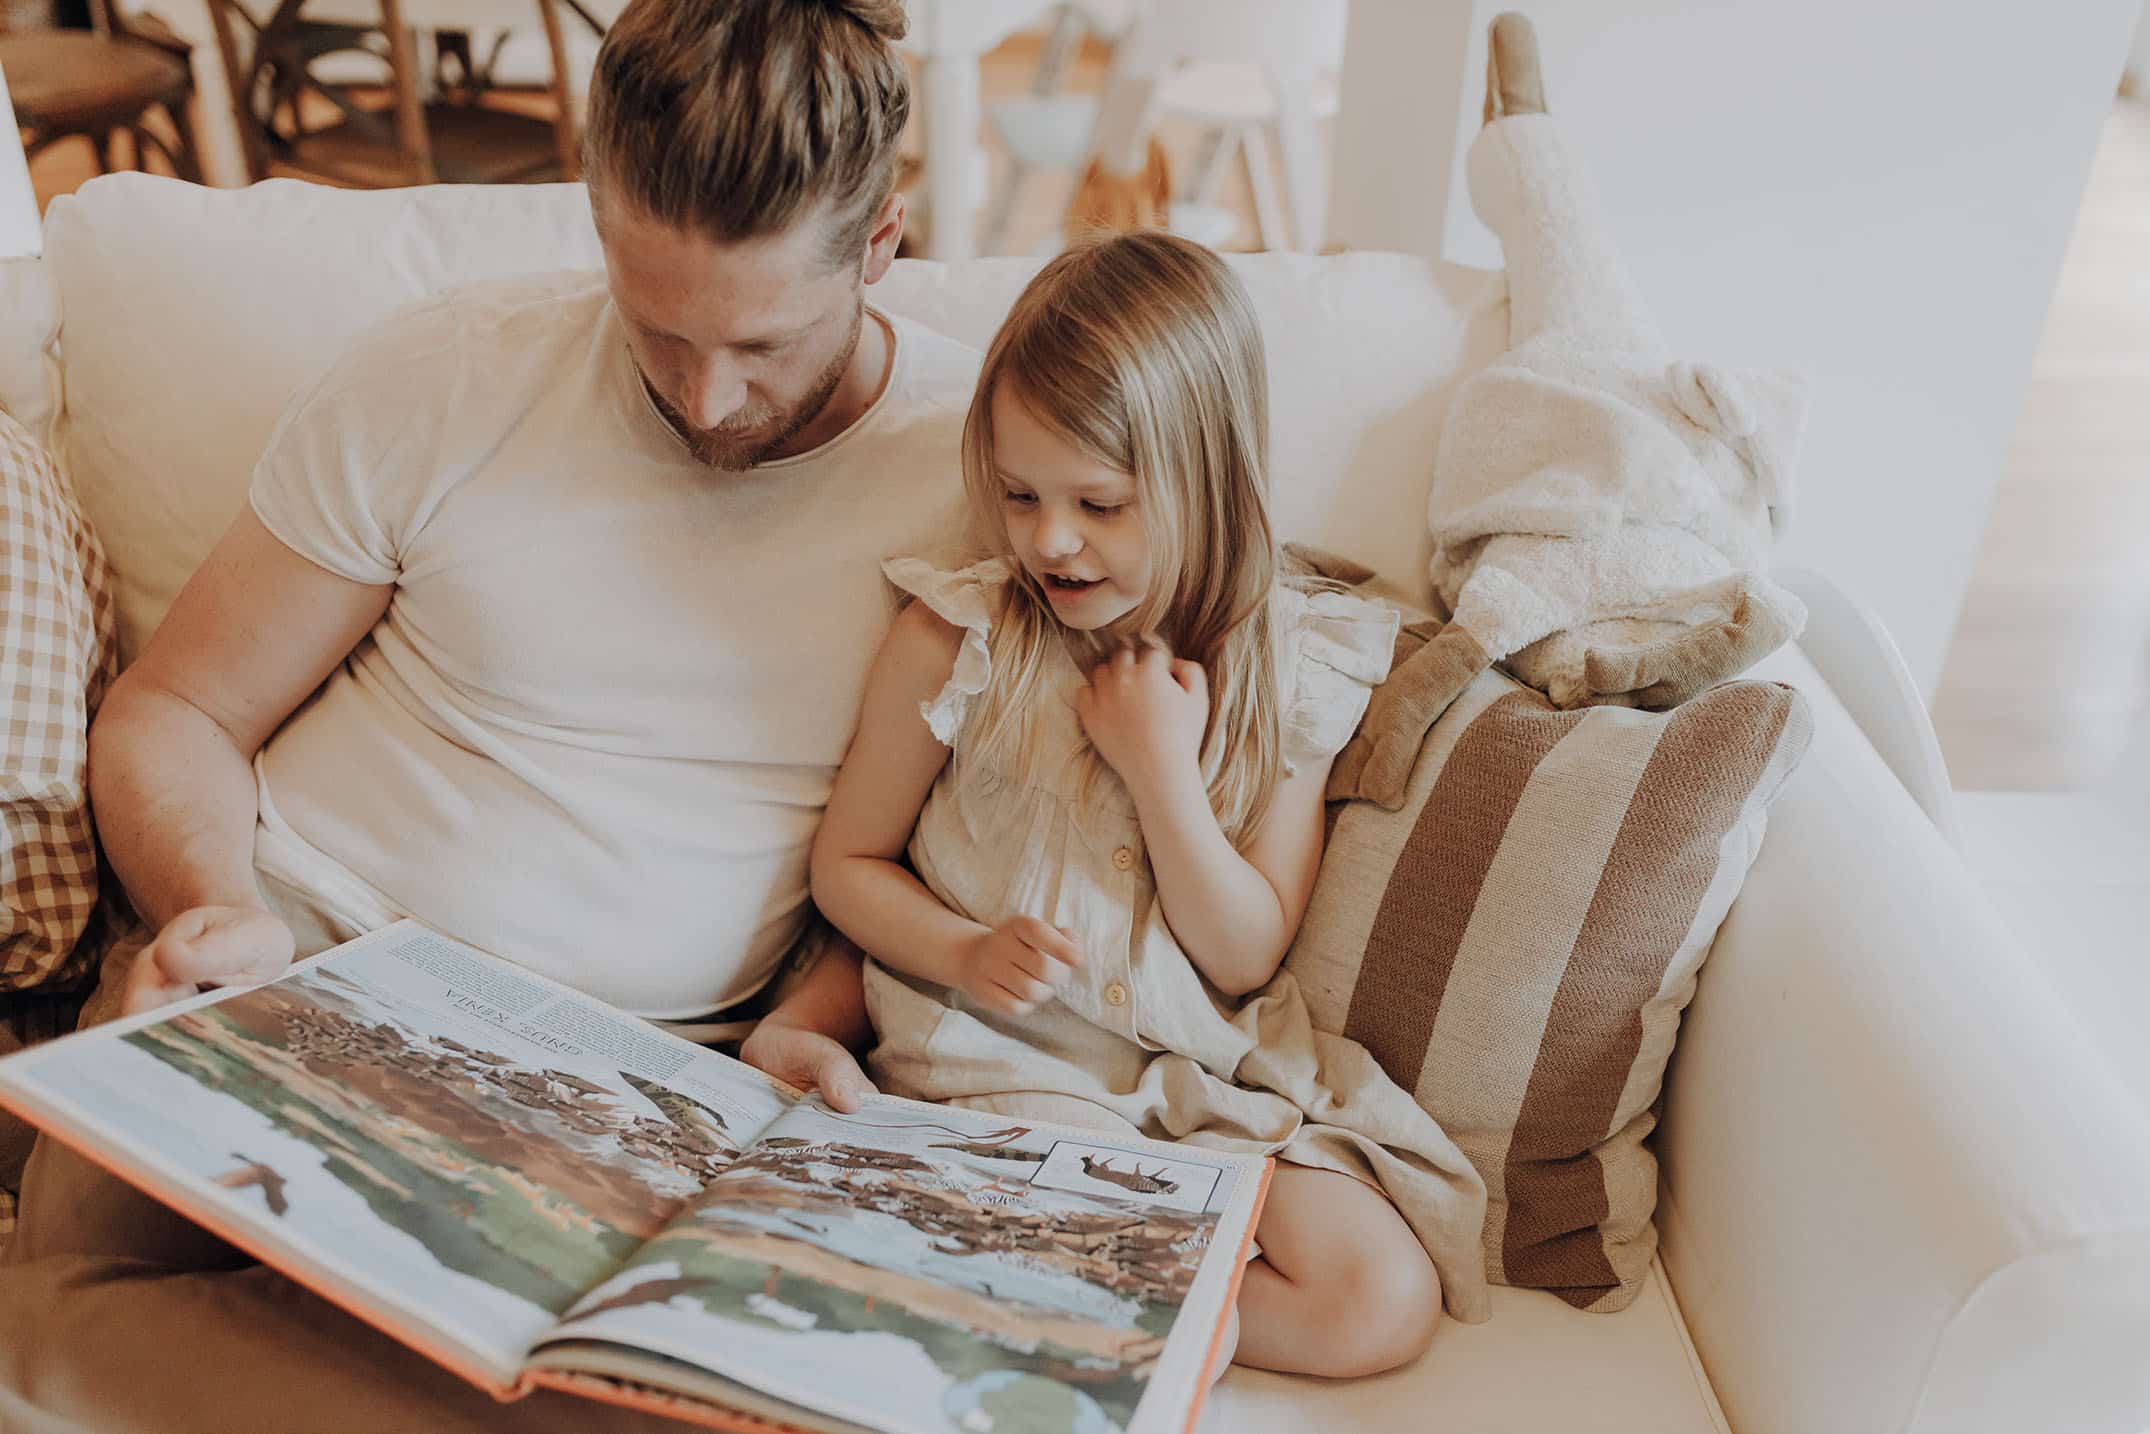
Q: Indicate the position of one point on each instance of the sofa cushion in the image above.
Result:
(56, 658)
(29, 363)
(191, 316)
(1515, 943)
(1536, 1367)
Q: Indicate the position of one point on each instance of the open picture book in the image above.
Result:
(536, 1190)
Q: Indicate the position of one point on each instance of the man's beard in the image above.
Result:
(741, 443)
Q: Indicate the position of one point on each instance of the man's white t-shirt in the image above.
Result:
(596, 728)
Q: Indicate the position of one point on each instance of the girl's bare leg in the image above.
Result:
(1342, 1286)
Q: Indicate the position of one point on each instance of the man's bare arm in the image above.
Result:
(252, 634)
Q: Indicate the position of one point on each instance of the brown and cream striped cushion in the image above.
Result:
(1516, 943)
(56, 658)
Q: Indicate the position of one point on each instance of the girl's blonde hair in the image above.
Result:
(1143, 351)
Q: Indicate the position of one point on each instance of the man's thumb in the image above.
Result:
(224, 950)
(842, 1084)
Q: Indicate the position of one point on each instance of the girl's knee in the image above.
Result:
(1396, 1305)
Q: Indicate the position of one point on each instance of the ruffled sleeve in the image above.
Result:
(1337, 650)
(969, 598)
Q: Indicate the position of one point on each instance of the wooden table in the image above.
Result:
(223, 162)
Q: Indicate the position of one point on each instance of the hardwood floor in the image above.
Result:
(2047, 682)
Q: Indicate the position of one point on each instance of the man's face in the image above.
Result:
(740, 345)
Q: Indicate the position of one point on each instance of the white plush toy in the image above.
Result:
(1602, 513)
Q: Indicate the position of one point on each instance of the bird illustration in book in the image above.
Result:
(256, 1173)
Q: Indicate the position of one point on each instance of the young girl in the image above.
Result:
(1103, 751)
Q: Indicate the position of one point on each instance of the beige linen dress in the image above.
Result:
(1138, 1039)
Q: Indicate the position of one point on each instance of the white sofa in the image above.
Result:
(1899, 1191)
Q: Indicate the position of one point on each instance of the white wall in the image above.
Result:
(1876, 192)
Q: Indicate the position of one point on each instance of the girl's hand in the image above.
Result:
(1019, 964)
(1146, 712)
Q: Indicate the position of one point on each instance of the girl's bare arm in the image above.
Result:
(1235, 913)
(859, 879)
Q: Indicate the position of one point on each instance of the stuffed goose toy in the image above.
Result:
(1602, 511)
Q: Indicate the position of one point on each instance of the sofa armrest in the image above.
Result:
(1901, 1190)
(1854, 653)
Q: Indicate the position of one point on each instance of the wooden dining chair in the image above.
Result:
(299, 113)
(101, 83)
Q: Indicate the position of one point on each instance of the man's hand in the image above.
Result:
(1146, 712)
(208, 945)
(808, 1060)
(1017, 965)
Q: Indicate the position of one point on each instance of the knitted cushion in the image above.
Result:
(1516, 941)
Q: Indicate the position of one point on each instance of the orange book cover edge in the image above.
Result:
(1208, 1381)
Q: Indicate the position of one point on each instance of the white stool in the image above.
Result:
(1236, 69)
(1195, 57)
(1231, 102)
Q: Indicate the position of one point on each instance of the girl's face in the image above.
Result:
(1072, 520)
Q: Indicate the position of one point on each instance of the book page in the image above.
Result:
(916, 1268)
(446, 1144)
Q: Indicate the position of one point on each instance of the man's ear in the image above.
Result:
(887, 234)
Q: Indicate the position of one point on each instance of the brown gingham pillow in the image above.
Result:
(57, 656)
(1516, 941)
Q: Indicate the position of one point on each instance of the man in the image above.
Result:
(546, 623)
